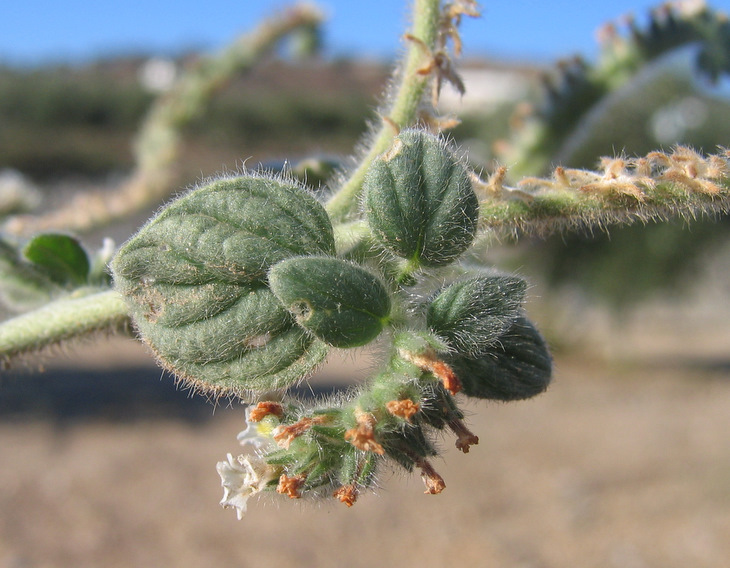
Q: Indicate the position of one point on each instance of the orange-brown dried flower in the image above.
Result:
(434, 482)
(291, 486)
(284, 435)
(429, 361)
(464, 437)
(347, 494)
(403, 408)
(263, 409)
(363, 436)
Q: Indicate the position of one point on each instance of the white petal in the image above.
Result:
(251, 434)
(242, 477)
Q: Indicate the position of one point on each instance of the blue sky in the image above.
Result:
(37, 31)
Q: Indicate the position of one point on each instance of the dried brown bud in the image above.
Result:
(263, 409)
(285, 434)
(347, 494)
(363, 436)
(291, 486)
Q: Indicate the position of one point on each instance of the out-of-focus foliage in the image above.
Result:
(80, 120)
(669, 103)
(68, 120)
(628, 264)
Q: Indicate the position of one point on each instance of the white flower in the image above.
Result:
(251, 434)
(242, 477)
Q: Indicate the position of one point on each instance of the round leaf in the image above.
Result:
(195, 280)
(339, 302)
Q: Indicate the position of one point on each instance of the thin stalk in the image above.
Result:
(404, 105)
(60, 321)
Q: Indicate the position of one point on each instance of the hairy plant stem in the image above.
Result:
(404, 104)
(658, 186)
(62, 320)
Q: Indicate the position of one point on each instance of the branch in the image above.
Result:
(61, 321)
(412, 85)
(578, 87)
(655, 187)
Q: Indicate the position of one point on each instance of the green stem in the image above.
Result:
(62, 320)
(403, 110)
(348, 235)
(408, 269)
(657, 187)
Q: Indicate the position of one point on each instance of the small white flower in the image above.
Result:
(242, 477)
(252, 434)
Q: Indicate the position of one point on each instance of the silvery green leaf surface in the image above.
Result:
(231, 230)
(472, 313)
(194, 278)
(419, 201)
(339, 302)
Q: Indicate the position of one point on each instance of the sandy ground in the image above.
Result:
(625, 467)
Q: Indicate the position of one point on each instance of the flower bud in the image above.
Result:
(419, 201)
(516, 367)
(471, 314)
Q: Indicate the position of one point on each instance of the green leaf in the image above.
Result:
(60, 257)
(231, 230)
(516, 367)
(22, 285)
(471, 314)
(194, 278)
(277, 362)
(224, 331)
(419, 201)
(341, 303)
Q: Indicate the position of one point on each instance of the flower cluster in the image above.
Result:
(469, 336)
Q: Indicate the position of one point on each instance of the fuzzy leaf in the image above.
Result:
(60, 257)
(342, 304)
(230, 231)
(277, 362)
(194, 278)
(516, 367)
(471, 314)
(419, 201)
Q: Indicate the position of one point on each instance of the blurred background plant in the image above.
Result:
(652, 86)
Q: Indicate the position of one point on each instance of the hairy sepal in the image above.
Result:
(194, 278)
